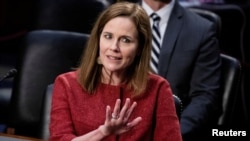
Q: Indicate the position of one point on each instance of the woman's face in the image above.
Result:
(118, 44)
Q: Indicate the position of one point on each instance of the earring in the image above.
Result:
(98, 60)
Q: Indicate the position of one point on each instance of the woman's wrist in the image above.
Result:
(103, 130)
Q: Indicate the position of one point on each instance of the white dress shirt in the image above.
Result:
(164, 13)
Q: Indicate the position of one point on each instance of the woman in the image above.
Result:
(112, 95)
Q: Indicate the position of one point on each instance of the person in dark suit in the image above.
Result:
(190, 60)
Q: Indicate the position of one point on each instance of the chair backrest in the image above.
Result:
(178, 105)
(45, 55)
(46, 112)
(69, 15)
(233, 24)
(211, 16)
(231, 76)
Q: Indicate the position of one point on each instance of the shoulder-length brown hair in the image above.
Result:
(89, 71)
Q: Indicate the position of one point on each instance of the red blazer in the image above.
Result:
(74, 112)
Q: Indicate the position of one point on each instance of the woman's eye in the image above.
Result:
(126, 40)
(107, 36)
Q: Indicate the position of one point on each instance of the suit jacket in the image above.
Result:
(190, 61)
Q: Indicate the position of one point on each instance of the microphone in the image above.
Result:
(10, 74)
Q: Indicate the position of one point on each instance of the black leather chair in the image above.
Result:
(68, 15)
(211, 16)
(233, 24)
(46, 112)
(45, 55)
(178, 106)
(231, 77)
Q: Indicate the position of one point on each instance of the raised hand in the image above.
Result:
(117, 122)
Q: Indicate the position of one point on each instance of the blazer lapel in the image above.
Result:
(170, 37)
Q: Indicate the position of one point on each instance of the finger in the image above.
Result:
(108, 113)
(116, 110)
(130, 110)
(125, 108)
(134, 122)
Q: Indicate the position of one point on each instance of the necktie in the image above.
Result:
(155, 42)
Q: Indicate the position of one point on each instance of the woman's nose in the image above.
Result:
(115, 45)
